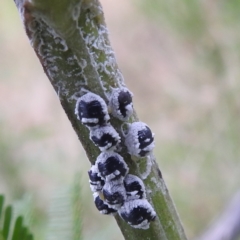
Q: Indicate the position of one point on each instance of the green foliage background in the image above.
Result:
(181, 60)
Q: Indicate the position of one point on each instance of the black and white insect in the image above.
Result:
(139, 139)
(102, 206)
(106, 138)
(96, 182)
(114, 194)
(92, 110)
(111, 166)
(134, 187)
(137, 213)
(120, 103)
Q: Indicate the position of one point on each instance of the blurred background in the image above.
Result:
(181, 60)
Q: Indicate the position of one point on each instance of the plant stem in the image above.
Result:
(71, 41)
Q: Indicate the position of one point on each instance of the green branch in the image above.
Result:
(71, 41)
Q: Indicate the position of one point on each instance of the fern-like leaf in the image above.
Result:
(65, 213)
(9, 229)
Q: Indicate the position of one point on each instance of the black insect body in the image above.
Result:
(96, 182)
(111, 166)
(138, 213)
(106, 138)
(134, 187)
(102, 206)
(92, 110)
(146, 139)
(121, 103)
(139, 139)
(114, 194)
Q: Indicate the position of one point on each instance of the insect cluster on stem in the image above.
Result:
(115, 191)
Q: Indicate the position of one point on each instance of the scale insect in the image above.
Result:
(135, 188)
(102, 207)
(111, 166)
(114, 194)
(106, 138)
(96, 182)
(139, 139)
(137, 213)
(92, 110)
(120, 103)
